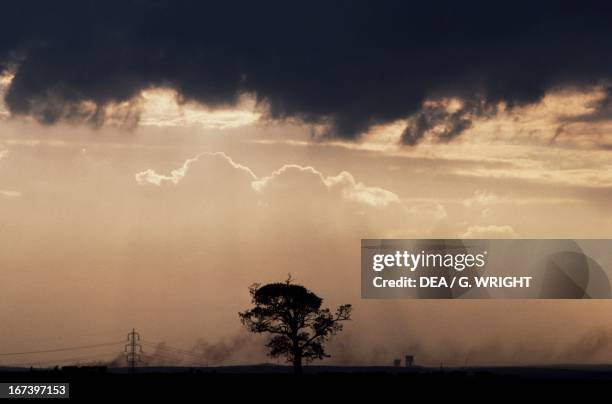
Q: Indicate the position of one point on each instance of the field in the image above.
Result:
(273, 383)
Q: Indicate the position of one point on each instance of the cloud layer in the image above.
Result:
(290, 177)
(344, 65)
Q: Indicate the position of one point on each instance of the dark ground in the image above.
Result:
(322, 383)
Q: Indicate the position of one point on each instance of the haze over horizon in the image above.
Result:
(147, 180)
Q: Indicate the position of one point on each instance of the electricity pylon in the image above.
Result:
(133, 349)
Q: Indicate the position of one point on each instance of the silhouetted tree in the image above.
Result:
(294, 315)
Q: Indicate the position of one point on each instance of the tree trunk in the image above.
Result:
(297, 363)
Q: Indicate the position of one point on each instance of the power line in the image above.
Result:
(73, 348)
(133, 352)
(56, 361)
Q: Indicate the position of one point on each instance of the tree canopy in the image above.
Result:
(294, 316)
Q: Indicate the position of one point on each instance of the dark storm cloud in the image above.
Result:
(351, 64)
(451, 123)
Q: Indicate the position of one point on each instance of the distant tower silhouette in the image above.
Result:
(133, 349)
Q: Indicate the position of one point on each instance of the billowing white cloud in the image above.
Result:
(343, 183)
(358, 192)
(290, 176)
(150, 176)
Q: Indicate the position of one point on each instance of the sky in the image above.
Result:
(157, 161)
